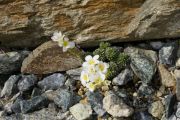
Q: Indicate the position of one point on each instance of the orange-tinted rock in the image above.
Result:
(49, 58)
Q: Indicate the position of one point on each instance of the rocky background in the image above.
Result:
(40, 82)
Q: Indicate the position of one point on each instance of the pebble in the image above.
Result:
(81, 111)
(169, 101)
(177, 76)
(143, 115)
(156, 45)
(74, 73)
(156, 109)
(26, 82)
(116, 107)
(52, 82)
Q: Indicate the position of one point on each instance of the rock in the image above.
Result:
(178, 63)
(124, 77)
(178, 110)
(167, 54)
(52, 82)
(74, 73)
(145, 90)
(143, 63)
(7, 108)
(10, 62)
(36, 92)
(177, 76)
(156, 109)
(143, 116)
(65, 116)
(124, 20)
(12, 117)
(33, 104)
(166, 78)
(95, 100)
(26, 82)
(16, 108)
(64, 99)
(81, 111)
(49, 58)
(70, 82)
(10, 86)
(116, 107)
(169, 104)
(156, 45)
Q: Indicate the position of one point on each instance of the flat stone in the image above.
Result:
(95, 100)
(10, 62)
(81, 111)
(74, 73)
(156, 109)
(156, 45)
(116, 107)
(49, 58)
(167, 54)
(10, 86)
(143, 63)
(167, 79)
(177, 76)
(26, 82)
(124, 77)
(52, 82)
(33, 104)
(63, 98)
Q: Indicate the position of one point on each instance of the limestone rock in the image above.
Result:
(49, 58)
(25, 23)
(166, 78)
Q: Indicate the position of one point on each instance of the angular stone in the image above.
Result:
(143, 116)
(124, 77)
(35, 103)
(49, 58)
(95, 100)
(27, 82)
(145, 90)
(177, 76)
(11, 62)
(52, 82)
(168, 53)
(81, 111)
(178, 63)
(156, 45)
(116, 107)
(75, 73)
(10, 86)
(170, 101)
(167, 79)
(156, 109)
(143, 63)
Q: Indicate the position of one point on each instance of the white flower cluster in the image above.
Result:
(93, 74)
(63, 41)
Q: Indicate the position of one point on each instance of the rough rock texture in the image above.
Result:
(49, 58)
(29, 23)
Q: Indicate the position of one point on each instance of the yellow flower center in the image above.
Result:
(101, 67)
(85, 77)
(65, 43)
(91, 62)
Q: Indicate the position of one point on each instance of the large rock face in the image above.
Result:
(25, 23)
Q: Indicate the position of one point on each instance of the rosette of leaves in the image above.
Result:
(111, 53)
(122, 60)
(113, 70)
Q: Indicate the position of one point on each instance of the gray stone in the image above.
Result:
(169, 100)
(156, 109)
(74, 73)
(116, 107)
(143, 63)
(26, 82)
(33, 104)
(124, 77)
(10, 86)
(70, 82)
(156, 45)
(145, 90)
(167, 54)
(52, 82)
(10, 62)
(95, 100)
(178, 110)
(81, 111)
(178, 63)
(64, 99)
(177, 76)
(16, 108)
(36, 92)
(143, 116)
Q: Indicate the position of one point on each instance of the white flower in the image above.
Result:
(90, 61)
(91, 87)
(58, 37)
(63, 41)
(102, 67)
(84, 78)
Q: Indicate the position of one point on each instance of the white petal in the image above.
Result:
(72, 44)
(89, 57)
(85, 64)
(66, 38)
(64, 49)
(96, 57)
